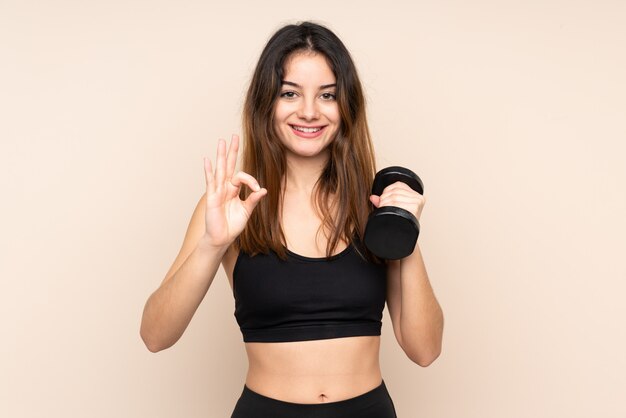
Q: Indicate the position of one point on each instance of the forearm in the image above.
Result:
(169, 309)
(421, 317)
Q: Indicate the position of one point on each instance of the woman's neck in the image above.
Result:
(304, 172)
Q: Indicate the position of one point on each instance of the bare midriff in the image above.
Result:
(311, 372)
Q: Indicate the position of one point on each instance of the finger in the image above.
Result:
(414, 197)
(231, 158)
(250, 203)
(244, 178)
(409, 194)
(398, 201)
(208, 176)
(399, 185)
(220, 163)
(375, 200)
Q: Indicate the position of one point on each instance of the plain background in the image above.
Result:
(512, 112)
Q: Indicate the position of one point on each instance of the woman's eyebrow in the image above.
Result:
(322, 87)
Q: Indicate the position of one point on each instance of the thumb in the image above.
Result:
(375, 200)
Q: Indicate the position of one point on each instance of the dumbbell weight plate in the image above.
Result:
(390, 175)
(391, 233)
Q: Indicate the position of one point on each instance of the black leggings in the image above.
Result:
(373, 404)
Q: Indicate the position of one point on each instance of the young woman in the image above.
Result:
(288, 231)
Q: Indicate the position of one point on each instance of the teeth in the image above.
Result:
(305, 130)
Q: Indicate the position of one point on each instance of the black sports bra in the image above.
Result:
(304, 298)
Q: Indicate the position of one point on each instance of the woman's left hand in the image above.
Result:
(399, 194)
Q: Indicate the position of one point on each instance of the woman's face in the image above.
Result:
(307, 116)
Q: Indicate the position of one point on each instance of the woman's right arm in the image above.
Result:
(218, 219)
(170, 308)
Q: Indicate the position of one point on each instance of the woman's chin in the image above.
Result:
(309, 152)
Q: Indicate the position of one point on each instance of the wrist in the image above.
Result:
(206, 245)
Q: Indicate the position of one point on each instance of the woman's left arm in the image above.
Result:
(416, 316)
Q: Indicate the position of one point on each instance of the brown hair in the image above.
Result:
(350, 169)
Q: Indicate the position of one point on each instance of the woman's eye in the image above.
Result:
(328, 96)
(288, 94)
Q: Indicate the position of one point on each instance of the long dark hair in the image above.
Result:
(349, 171)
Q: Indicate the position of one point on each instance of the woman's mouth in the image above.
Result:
(307, 131)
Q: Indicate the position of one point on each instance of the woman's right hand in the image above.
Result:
(226, 214)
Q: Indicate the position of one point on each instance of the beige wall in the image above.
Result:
(512, 112)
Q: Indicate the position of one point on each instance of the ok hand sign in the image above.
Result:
(226, 214)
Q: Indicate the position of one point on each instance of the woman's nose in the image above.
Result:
(308, 109)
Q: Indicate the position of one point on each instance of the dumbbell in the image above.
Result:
(391, 232)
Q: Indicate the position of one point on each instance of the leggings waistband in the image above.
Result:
(375, 403)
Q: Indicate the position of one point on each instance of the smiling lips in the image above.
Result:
(307, 131)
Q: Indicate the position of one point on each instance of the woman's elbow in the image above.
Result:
(424, 357)
(425, 360)
(153, 343)
(153, 347)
